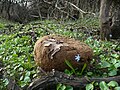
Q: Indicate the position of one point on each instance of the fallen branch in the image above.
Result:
(53, 78)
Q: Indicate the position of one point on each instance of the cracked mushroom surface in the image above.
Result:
(51, 51)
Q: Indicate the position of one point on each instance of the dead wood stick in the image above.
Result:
(60, 77)
(80, 10)
(60, 9)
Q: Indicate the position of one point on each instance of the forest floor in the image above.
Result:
(17, 43)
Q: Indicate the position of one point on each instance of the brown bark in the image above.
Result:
(110, 9)
(104, 19)
(115, 27)
(49, 82)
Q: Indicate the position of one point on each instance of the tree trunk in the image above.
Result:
(110, 26)
(104, 19)
(115, 27)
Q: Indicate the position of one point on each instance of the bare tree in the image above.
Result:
(110, 24)
(25, 10)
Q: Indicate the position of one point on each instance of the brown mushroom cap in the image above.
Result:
(50, 52)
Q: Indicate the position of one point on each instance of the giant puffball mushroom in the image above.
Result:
(51, 51)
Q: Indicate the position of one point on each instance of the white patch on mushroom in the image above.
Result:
(55, 46)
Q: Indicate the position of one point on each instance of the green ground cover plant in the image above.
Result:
(16, 51)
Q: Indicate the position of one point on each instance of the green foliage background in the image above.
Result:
(17, 43)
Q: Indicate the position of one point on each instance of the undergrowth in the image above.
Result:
(17, 42)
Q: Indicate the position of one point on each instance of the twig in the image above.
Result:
(60, 9)
(60, 77)
(80, 10)
(47, 2)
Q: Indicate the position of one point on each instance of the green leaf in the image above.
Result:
(68, 72)
(105, 64)
(117, 65)
(70, 65)
(117, 88)
(1, 25)
(112, 73)
(103, 86)
(85, 65)
(115, 55)
(112, 84)
(22, 84)
(90, 73)
(113, 61)
(27, 79)
(63, 87)
(21, 77)
(6, 82)
(69, 88)
(27, 74)
(89, 87)
(58, 86)
(20, 69)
